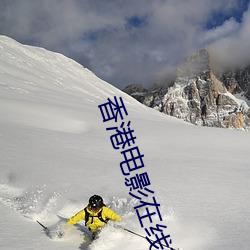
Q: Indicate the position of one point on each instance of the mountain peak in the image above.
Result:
(197, 64)
(201, 97)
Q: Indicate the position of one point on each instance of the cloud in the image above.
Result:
(228, 28)
(125, 42)
(233, 49)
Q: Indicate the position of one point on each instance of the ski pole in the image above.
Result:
(44, 227)
(146, 238)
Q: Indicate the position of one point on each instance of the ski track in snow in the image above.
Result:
(39, 204)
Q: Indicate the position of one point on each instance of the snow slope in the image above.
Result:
(56, 152)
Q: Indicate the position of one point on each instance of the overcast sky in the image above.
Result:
(131, 41)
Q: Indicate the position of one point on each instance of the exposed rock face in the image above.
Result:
(137, 91)
(198, 96)
(237, 81)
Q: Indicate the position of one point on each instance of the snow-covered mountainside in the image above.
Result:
(56, 152)
(200, 96)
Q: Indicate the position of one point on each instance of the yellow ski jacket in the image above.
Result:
(94, 223)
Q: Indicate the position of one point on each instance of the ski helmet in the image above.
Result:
(95, 202)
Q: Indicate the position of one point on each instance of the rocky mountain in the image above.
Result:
(201, 96)
(237, 81)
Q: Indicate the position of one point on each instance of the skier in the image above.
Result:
(95, 214)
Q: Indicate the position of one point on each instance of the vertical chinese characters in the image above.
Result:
(132, 167)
